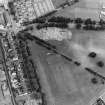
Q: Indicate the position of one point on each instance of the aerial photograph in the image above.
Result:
(52, 52)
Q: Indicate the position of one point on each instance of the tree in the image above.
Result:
(76, 0)
(21, 36)
(94, 80)
(78, 26)
(88, 21)
(59, 19)
(62, 25)
(11, 7)
(52, 19)
(71, 20)
(102, 24)
(93, 22)
(39, 26)
(97, 28)
(89, 27)
(39, 20)
(35, 95)
(78, 20)
(100, 102)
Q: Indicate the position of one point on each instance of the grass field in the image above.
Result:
(65, 83)
(84, 9)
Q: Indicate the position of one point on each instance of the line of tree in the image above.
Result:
(41, 19)
(58, 25)
(89, 24)
(29, 73)
(29, 70)
(62, 22)
(78, 21)
(37, 20)
(59, 19)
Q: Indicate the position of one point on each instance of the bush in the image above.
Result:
(39, 20)
(27, 23)
(28, 28)
(88, 21)
(76, 0)
(78, 26)
(61, 25)
(58, 25)
(101, 22)
(93, 22)
(11, 7)
(78, 20)
(59, 20)
(91, 27)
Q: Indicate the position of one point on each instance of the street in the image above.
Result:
(7, 75)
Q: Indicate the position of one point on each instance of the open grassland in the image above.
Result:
(84, 9)
(65, 83)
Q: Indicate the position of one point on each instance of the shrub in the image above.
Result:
(88, 21)
(78, 20)
(78, 26)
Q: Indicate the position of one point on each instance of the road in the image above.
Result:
(7, 75)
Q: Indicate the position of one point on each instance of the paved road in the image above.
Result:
(7, 75)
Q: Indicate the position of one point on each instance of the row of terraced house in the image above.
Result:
(12, 60)
(31, 9)
(23, 80)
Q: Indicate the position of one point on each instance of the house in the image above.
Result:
(32, 9)
(15, 58)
